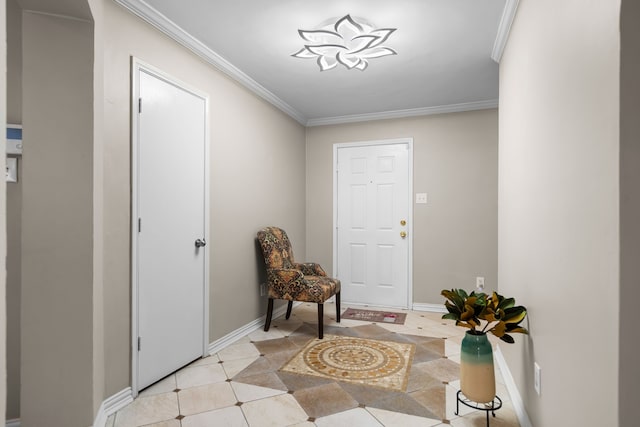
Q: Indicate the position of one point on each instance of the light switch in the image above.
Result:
(421, 198)
(12, 169)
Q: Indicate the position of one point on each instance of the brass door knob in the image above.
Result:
(403, 234)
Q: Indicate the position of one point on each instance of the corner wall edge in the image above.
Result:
(514, 394)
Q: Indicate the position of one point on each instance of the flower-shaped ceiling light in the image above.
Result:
(346, 42)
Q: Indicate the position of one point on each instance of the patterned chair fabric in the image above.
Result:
(292, 281)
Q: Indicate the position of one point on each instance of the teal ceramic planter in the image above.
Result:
(477, 376)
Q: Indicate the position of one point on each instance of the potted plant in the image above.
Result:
(482, 313)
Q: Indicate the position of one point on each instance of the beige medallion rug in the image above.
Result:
(355, 360)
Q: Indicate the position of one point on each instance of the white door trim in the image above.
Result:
(136, 67)
(410, 228)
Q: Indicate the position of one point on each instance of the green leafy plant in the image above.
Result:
(483, 313)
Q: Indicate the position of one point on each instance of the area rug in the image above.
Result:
(425, 395)
(355, 360)
(374, 316)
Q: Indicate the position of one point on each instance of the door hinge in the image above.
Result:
(139, 343)
(139, 105)
(139, 225)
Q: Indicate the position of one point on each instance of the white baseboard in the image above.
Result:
(111, 405)
(121, 399)
(241, 332)
(514, 394)
(351, 304)
(433, 308)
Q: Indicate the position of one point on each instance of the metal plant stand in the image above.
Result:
(492, 406)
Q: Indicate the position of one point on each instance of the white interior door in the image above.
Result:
(373, 229)
(170, 158)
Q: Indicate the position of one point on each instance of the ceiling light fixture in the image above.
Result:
(346, 42)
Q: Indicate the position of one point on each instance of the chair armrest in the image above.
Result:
(310, 269)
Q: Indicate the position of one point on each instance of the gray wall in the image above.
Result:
(76, 189)
(56, 320)
(455, 162)
(14, 62)
(3, 236)
(559, 206)
(257, 179)
(14, 211)
(629, 375)
(99, 367)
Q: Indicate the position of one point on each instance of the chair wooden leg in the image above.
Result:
(338, 307)
(320, 320)
(289, 306)
(267, 322)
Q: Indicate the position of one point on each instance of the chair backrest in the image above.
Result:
(276, 248)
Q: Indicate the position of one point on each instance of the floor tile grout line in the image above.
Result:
(420, 329)
(178, 400)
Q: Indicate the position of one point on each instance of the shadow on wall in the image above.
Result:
(260, 265)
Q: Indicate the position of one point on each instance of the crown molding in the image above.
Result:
(508, 15)
(399, 114)
(156, 19)
(171, 29)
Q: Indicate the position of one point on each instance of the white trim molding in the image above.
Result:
(13, 423)
(147, 13)
(399, 114)
(110, 406)
(508, 15)
(433, 308)
(514, 394)
(241, 332)
(121, 399)
(150, 15)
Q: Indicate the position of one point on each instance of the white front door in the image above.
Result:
(170, 157)
(372, 222)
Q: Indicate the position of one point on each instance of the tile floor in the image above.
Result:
(241, 385)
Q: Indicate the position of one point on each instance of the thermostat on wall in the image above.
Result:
(14, 140)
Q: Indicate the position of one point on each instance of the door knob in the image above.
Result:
(200, 243)
(403, 234)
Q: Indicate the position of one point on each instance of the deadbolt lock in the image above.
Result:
(403, 222)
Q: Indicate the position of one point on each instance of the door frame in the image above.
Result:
(138, 66)
(410, 228)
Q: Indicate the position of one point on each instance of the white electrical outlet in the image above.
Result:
(480, 283)
(421, 198)
(537, 377)
(263, 289)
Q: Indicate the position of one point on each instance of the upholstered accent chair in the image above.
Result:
(292, 281)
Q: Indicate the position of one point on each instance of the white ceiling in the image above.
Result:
(443, 61)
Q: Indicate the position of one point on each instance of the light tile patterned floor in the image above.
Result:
(203, 394)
